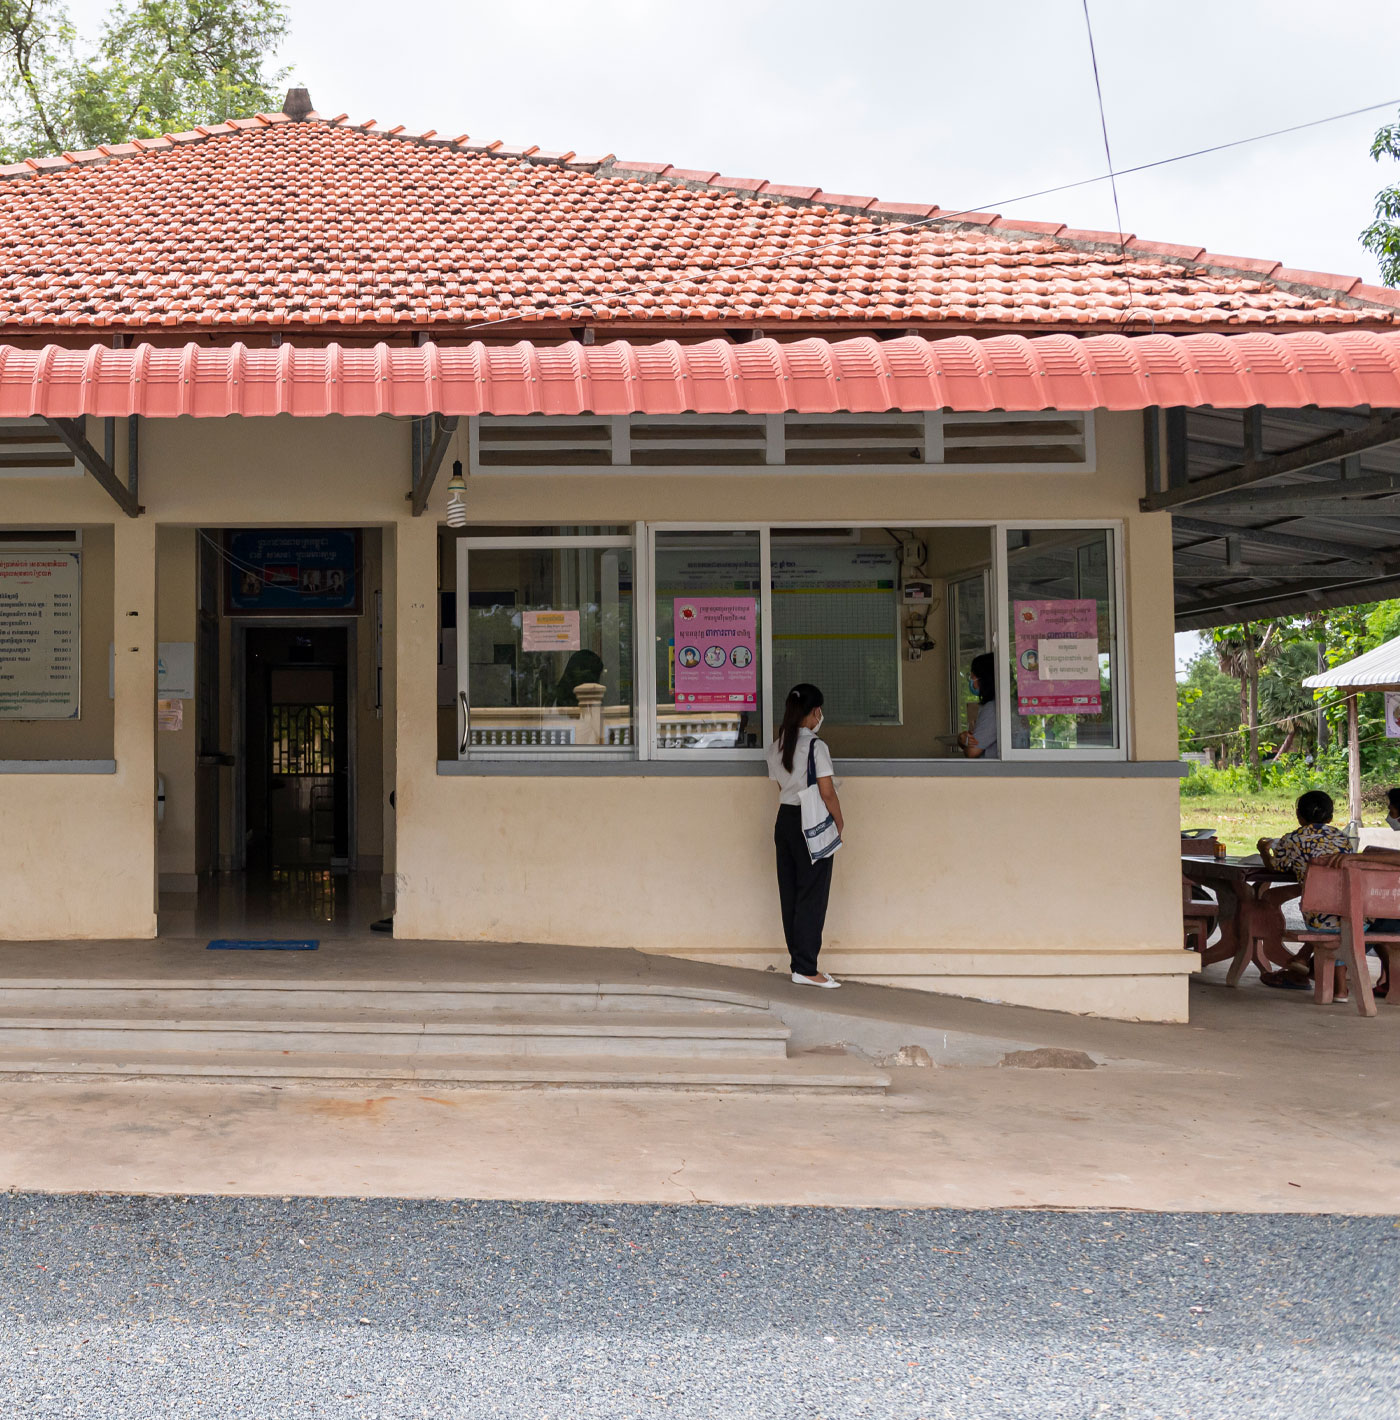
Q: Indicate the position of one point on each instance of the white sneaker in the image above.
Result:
(830, 984)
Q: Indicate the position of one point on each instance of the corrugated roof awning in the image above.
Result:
(1375, 670)
(861, 375)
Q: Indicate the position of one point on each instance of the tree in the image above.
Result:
(158, 66)
(1288, 709)
(1243, 650)
(1382, 237)
(1208, 707)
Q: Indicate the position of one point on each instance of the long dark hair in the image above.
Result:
(984, 667)
(801, 701)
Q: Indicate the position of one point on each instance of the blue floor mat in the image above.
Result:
(237, 944)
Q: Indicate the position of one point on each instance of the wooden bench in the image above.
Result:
(1355, 891)
(1199, 916)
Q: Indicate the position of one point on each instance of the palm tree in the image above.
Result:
(1282, 699)
(1242, 651)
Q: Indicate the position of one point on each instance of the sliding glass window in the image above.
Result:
(544, 645)
(675, 642)
(708, 641)
(1061, 655)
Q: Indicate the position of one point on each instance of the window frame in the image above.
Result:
(465, 545)
(957, 699)
(1118, 638)
(648, 748)
(642, 544)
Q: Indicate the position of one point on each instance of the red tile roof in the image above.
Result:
(1071, 372)
(319, 225)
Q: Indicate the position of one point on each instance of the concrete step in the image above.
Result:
(558, 1034)
(253, 996)
(826, 1072)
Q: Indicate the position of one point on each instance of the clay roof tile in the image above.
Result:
(379, 224)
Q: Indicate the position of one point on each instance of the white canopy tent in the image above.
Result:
(1376, 670)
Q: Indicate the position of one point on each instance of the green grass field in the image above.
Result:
(1241, 821)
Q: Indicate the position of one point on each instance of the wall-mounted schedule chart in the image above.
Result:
(836, 624)
(40, 593)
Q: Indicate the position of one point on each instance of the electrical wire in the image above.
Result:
(251, 569)
(1112, 176)
(1273, 724)
(876, 233)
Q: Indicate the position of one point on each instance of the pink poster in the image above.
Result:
(1057, 657)
(715, 655)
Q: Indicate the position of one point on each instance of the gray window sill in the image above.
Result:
(58, 766)
(845, 768)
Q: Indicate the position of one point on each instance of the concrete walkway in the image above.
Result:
(1263, 1103)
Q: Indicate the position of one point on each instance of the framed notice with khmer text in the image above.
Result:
(40, 597)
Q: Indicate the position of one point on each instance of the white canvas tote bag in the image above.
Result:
(818, 826)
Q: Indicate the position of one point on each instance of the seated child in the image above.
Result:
(1317, 839)
(1392, 809)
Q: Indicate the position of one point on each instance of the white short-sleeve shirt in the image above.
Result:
(985, 730)
(792, 782)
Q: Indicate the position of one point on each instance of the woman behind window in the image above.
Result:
(980, 742)
(803, 886)
(583, 668)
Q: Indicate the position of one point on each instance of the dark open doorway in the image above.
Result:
(297, 758)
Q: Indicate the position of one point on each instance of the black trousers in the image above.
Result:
(803, 889)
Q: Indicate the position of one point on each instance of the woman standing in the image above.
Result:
(980, 742)
(803, 886)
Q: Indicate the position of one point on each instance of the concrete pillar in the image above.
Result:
(415, 635)
(589, 730)
(388, 582)
(133, 838)
(1147, 619)
(178, 620)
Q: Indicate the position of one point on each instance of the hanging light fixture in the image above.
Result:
(457, 498)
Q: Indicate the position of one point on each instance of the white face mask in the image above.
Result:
(821, 719)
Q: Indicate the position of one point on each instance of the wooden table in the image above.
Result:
(1251, 899)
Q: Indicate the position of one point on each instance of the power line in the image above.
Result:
(249, 568)
(1108, 157)
(876, 233)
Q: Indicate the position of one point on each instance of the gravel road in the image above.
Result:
(226, 1307)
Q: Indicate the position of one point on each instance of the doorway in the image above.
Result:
(297, 756)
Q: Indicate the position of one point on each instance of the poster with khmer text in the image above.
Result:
(40, 595)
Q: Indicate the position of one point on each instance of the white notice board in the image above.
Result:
(40, 597)
(175, 670)
(836, 625)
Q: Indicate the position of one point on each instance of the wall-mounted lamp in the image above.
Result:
(457, 498)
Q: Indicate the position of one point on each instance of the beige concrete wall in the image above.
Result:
(176, 620)
(78, 852)
(1056, 892)
(952, 884)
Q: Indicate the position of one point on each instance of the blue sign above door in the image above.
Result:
(292, 571)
